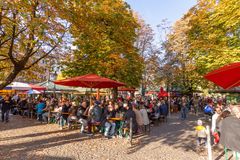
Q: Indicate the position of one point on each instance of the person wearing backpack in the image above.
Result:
(208, 109)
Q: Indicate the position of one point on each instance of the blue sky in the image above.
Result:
(153, 11)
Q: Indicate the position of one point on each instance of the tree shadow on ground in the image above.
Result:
(35, 134)
(22, 150)
(38, 157)
(28, 122)
(173, 133)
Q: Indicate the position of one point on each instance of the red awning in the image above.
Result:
(227, 76)
(36, 87)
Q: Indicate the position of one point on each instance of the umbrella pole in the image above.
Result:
(169, 104)
(90, 95)
(98, 94)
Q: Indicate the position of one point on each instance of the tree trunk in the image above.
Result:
(10, 77)
(132, 94)
(115, 93)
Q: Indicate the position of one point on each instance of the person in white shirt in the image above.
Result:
(144, 114)
(214, 119)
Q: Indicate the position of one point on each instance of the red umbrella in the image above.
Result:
(227, 76)
(90, 81)
(162, 93)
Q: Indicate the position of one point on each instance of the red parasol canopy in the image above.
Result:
(162, 93)
(36, 87)
(227, 76)
(90, 81)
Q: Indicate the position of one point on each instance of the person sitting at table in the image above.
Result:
(39, 107)
(119, 108)
(64, 113)
(57, 113)
(72, 114)
(46, 110)
(110, 125)
(82, 115)
(127, 116)
(30, 107)
(95, 116)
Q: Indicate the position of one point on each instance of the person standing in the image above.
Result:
(214, 129)
(144, 114)
(184, 108)
(128, 115)
(195, 104)
(40, 108)
(139, 118)
(6, 106)
(201, 133)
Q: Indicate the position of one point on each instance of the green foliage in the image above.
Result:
(104, 34)
(207, 37)
(214, 34)
(29, 31)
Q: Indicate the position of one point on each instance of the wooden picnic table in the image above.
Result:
(62, 113)
(116, 119)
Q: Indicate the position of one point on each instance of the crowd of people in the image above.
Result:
(143, 111)
(225, 125)
(88, 113)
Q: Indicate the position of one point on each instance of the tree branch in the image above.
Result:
(3, 68)
(12, 42)
(45, 55)
(3, 42)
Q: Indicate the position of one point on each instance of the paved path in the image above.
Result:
(23, 139)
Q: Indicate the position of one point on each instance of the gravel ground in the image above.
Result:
(26, 139)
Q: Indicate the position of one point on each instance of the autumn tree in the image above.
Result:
(183, 70)
(206, 37)
(145, 43)
(214, 33)
(29, 31)
(104, 36)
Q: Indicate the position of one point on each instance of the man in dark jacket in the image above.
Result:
(95, 116)
(96, 113)
(110, 125)
(64, 113)
(128, 115)
(6, 105)
(82, 115)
